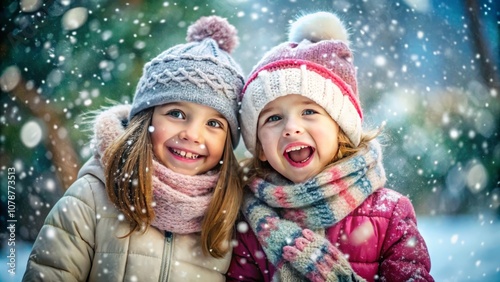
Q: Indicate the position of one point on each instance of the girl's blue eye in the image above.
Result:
(309, 112)
(214, 123)
(176, 114)
(273, 118)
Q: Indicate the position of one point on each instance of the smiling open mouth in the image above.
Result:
(184, 154)
(299, 154)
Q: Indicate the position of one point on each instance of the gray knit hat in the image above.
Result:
(200, 71)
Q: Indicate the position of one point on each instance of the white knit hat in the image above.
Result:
(316, 63)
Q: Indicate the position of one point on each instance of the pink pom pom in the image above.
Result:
(217, 28)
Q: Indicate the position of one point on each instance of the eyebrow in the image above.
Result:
(304, 103)
(219, 115)
(169, 104)
(180, 103)
(311, 102)
(263, 112)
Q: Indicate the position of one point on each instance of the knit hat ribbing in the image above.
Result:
(200, 71)
(316, 63)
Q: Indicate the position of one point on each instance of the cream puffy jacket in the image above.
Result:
(79, 241)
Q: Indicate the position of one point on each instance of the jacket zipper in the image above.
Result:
(167, 256)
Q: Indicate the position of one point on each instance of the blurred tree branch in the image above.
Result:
(480, 46)
(64, 157)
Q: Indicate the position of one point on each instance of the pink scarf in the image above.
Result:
(180, 200)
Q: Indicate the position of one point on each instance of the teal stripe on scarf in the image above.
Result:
(321, 216)
(271, 236)
(309, 192)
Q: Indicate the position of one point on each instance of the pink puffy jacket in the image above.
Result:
(380, 239)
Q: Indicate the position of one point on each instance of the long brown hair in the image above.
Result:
(217, 227)
(128, 164)
(255, 168)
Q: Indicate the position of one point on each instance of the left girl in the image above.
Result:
(159, 199)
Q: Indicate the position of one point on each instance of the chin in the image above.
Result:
(299, 180)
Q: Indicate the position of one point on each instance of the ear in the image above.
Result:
(262, 156)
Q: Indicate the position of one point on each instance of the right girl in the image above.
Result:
(315, 201)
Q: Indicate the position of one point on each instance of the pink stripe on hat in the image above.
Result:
(295, 63)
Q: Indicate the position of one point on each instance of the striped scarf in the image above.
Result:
(282, 215)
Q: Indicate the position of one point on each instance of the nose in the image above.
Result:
(193, 132)
(292, 127)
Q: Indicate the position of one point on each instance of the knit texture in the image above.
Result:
(282, 214)
(200, 71)
(318, 64)
(180, 200)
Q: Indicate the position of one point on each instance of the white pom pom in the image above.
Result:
(318, 26)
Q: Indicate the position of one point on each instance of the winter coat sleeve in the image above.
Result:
(249, 263)
(64, 248)
(404, 256)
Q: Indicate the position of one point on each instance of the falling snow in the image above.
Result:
(420, 76)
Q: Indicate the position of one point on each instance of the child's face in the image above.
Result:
(188, 138)
(298, 137)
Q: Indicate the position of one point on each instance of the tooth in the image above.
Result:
(297, 148)
(189, 155)
(183, 153)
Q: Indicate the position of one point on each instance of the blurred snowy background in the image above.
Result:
(428, 70)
